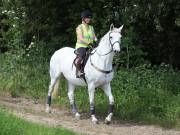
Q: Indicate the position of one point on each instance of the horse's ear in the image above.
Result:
(120, 28)
(111, 27)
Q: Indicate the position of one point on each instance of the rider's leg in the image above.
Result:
(81, 54)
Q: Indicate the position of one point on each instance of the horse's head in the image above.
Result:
(115, 38)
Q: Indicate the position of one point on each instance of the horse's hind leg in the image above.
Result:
(71, 89)
(54, 78)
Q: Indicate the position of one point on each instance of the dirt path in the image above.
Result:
(34, 111)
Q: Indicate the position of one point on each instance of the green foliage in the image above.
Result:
(32, 30)
(10, 31)
(11, 125)
(146, 93)
(131, 53)
(150, 33)
(18, 75)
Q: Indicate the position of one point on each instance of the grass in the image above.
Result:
(12, 125)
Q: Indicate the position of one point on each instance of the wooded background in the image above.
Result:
(151, 31)
(146, 84)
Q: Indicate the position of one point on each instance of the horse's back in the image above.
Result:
(62, 57)
(63, 51)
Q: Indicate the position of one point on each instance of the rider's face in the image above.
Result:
(87, 20)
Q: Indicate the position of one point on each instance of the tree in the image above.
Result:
(151, 28)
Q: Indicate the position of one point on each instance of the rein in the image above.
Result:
(97, 68)
(112, 44)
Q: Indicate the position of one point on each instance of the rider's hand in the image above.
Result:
(93, 45)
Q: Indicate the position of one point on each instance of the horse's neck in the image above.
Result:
(105, 61)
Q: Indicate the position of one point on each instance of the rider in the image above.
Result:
(86, 38)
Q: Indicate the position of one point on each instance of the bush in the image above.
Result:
(20, 76)
(147, 94)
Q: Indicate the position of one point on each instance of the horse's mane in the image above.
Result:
(104, 37)
(107, 34)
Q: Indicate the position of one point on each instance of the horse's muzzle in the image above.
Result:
(115, 51)
(116, 47)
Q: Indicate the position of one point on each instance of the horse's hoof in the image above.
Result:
(107, 121)
(48, 110)
(108, 118)
(95, 122)
(77, 115)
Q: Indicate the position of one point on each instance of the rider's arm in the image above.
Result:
(80, 35)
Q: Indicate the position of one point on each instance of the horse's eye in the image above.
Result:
(110, 37)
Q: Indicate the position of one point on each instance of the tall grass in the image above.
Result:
(12, 125)
(145, 94)
(23, 76)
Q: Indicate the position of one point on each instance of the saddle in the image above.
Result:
(83, 62)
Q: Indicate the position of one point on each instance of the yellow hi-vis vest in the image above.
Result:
(88, 35)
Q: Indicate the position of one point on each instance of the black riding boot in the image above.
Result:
(79, 70)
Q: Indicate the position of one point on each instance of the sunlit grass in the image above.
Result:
(12, 125)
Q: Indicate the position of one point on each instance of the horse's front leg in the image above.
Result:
(91, 90)
(71, 88)
(107, 90)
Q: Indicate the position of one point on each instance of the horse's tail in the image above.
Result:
(54, 76)
(55, 92)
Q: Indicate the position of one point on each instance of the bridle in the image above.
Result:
(111, 44)
(97, 68)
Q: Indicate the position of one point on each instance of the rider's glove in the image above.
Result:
(93, 45)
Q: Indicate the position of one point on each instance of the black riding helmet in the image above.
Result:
(86, 14)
